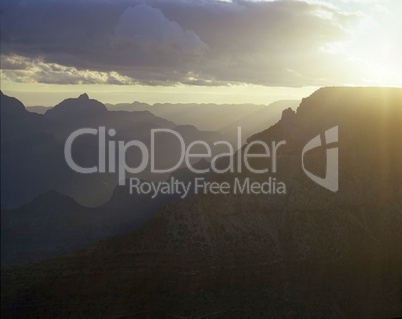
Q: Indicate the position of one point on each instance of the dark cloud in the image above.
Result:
(148, 28)
(278, 43)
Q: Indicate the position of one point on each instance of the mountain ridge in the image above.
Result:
(309, 253)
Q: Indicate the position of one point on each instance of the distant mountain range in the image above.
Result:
(35, 175)
(223, 118)
(32, 148)
(37, 109)
(310, 253)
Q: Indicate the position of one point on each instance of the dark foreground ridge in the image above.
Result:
(309, 254)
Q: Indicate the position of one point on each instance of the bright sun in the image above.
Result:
(376, 48)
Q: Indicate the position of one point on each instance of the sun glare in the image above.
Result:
(375, 47)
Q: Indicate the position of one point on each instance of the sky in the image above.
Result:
(202, 51)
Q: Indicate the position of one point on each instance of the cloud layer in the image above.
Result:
(276, 43)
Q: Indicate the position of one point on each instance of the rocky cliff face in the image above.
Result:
(308, 253)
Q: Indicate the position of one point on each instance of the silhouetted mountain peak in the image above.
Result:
(82, 105)
(340, 99)
(288, 114)
(11, 105)
(83, 96)
(288, 118)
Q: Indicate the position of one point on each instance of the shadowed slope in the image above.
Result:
(309, 253)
